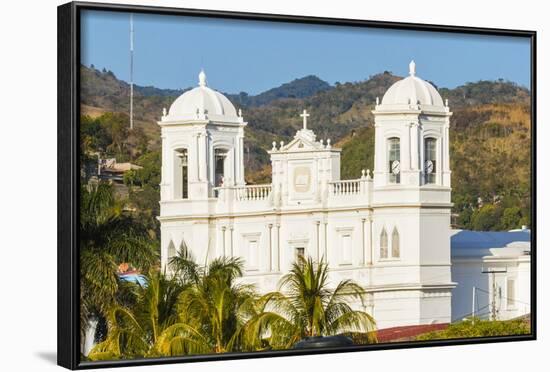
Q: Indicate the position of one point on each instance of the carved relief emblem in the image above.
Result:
(302, 179)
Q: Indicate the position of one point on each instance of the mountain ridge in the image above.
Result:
(490, 135)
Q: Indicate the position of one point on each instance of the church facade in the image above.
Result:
(388, 230)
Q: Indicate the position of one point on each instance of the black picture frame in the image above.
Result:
(68, 354)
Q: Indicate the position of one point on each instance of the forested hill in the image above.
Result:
(490, 133)
(297, 88)
(102, 88)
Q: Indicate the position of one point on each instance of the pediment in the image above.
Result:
(303, 141)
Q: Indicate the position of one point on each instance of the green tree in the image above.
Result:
(511, 218)
(486, 218)
(108, 237)
(479, 328)
(135, 331)
(306, 306)
(213, 310)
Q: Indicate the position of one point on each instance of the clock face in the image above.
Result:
(429, 166)
(395, 167)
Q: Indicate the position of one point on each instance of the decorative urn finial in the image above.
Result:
(412, 68)
(202, 78)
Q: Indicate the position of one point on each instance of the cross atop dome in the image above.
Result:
(202, 78)
(412, 68)
(305, 115)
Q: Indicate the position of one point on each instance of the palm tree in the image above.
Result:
(108, 237)
(184, 266)
(212, 310)
(307, 307)
(134, 331)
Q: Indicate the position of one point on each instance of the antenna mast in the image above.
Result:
(131, 71)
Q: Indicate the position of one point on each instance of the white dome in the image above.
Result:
(411, 91)
(202, 101)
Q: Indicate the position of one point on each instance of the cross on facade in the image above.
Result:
(305, 115)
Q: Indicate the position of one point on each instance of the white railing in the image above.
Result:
(347, 187)
(253, 192)
(243, 193)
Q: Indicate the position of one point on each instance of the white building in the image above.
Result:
(389, 232)
(493, 272)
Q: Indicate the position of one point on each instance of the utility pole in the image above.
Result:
(131, 71)
(473, 304)
(493, 272)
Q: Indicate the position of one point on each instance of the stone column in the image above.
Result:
(363, 243)
(369, 242)
(446, 166)
(414, 147)
(284, 182)
(197, 157)
(318, 239)
(278, 255)
(223, 240)
(203, 141)
(325, 254)
(405, 151)
(166, 171)
(231, 241)
(211, 160)
(270, 226)
(240, 163)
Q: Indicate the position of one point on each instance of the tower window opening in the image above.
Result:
(430, 160)
(219, 167)
(183, 163)
(300, 254)
(394, 160)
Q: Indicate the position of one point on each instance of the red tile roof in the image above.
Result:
(404, 333)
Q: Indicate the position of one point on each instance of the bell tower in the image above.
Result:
(412, 192)
(202, 144)
(412, 136)
(202, 149)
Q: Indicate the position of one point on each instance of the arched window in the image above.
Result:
(430, 154)
(171, 250)
(220, 157)
(181, 174)
(395, 243)
(394, 160)
(383, 244)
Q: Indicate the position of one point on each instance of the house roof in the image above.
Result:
(120, 167)
(514, 243)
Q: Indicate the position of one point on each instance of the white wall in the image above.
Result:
(400, 296)
(468, 273)
(33, 23)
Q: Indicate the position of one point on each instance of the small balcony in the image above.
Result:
(243, 193)
(237, 199)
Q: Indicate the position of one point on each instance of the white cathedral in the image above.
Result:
(389, 230)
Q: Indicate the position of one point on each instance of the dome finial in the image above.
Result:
(202, 78)
(412, 68)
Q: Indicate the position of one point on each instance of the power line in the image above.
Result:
(504, 297)
(460, 318)
(493, 272)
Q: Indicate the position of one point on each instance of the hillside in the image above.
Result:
(490, 133)
(297, 88)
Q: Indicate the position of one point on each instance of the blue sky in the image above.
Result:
(255, 56)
